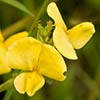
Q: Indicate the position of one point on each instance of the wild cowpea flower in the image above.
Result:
(35, 60)
(4, 45)
(3, 62)
(68, 40)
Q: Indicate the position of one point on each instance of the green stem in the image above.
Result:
(41, 12)
(8, 94)
(21, 24)
(6, 85)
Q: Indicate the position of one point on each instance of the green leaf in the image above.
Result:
(18, 5)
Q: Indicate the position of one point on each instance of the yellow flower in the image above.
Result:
(3, 62)
(68, 40)
(4, 45)
(36, 60)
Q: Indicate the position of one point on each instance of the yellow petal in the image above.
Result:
(80, 34)
(54, 13)
(62, 43)
(34, 82)
(23, 54)
(60, 38)
(51, 63)
(1, 37)
(20, 83)
(28, 82)
(15, 37)
(3, 62)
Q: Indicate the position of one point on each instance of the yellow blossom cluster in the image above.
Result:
(36, 59)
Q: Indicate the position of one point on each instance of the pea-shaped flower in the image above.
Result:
(4, 45)
(3, 62)
(36, 60)
(68, 40)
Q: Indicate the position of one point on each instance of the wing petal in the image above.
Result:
(24, 53)
(81, 34)
(62, 43)
(28, 82)
(51, 63)
(34, 82)
(20, 83)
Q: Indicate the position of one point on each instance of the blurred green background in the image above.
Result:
(83, 76)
